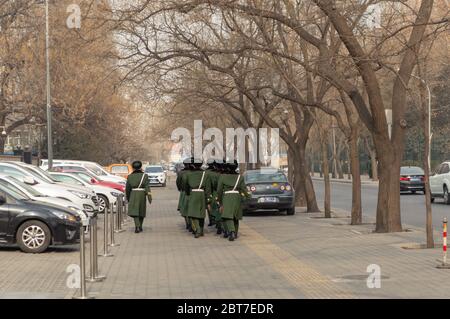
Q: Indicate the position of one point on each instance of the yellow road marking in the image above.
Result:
(310, 282)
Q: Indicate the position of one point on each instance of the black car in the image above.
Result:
(34, 225)
(269, 190)
(412, 179)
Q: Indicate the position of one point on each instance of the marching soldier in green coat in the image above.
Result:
(198, 187)
(231, 191)
(213, 176)
(137, 192)
(182, 202)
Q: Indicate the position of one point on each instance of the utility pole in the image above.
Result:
(49, 107)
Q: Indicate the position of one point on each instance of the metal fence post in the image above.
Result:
(94, 276)
(82, 268)
(113, 243)
(106, 253)
(119, 214)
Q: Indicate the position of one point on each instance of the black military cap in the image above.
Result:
(136, 165)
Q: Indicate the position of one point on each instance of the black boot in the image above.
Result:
(136, 230)
(219, 231)
(140, 229)
(225, 234)
(232, 236)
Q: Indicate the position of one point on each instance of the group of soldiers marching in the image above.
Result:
(218, 192)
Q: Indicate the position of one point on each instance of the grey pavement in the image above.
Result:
(276, 256)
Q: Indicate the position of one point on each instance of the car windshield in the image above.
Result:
(14, 193)
(411, 171)
(96, 169)
(261, 177)
(85, 177)
(41, 174)
(27, 187)
(119, 169)
(154, 169)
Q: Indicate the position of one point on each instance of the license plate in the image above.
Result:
(268, 200)
(415, 179)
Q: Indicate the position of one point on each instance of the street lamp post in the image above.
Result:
(49, 110)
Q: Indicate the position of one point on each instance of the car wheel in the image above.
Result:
(291, 211)
(102, 203)
(164, 184)
(446, 197)
(413, 192)
(33, 237)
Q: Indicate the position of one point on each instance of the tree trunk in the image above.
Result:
(2, 144)
(299, 182)
(310, 195)
(340, 170)
(374, 164)
(388, 205)
(326, 174)
(291, 163)
(356, 215)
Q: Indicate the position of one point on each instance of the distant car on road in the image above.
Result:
(440, 182)
(156, 175)
(269, 190)
(412, 179)
(33, 225)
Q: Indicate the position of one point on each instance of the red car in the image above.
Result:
(91, 178)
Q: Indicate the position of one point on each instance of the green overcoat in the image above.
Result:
(231, 202)
(137, 192)
(196, 206)
(183, 199)
(213, 177)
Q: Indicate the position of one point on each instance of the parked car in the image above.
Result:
(28, 191)
(440, 182)
(156, 175)
(122, 170)
(412, 179)
(48, 186)
(34, 226)
(93, 167)
(91, 178)
(105, 195)
(269, 190)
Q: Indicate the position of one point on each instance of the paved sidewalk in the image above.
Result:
(276, 256)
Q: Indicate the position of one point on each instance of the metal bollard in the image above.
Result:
(113, 243)
(106, 253)
(444, 264)
(93, 275)
(125, 211)
(119, 215)
(82, 268)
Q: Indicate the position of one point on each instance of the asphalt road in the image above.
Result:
(412, 206)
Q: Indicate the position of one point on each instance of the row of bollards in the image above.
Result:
(114, 218)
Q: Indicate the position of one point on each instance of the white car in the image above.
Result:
(440, 183)
(156, 175)
(106, 195)
(84, 197)
(93, 167)
(28, 191)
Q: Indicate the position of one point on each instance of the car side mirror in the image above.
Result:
(2, 199)
(29, 180)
